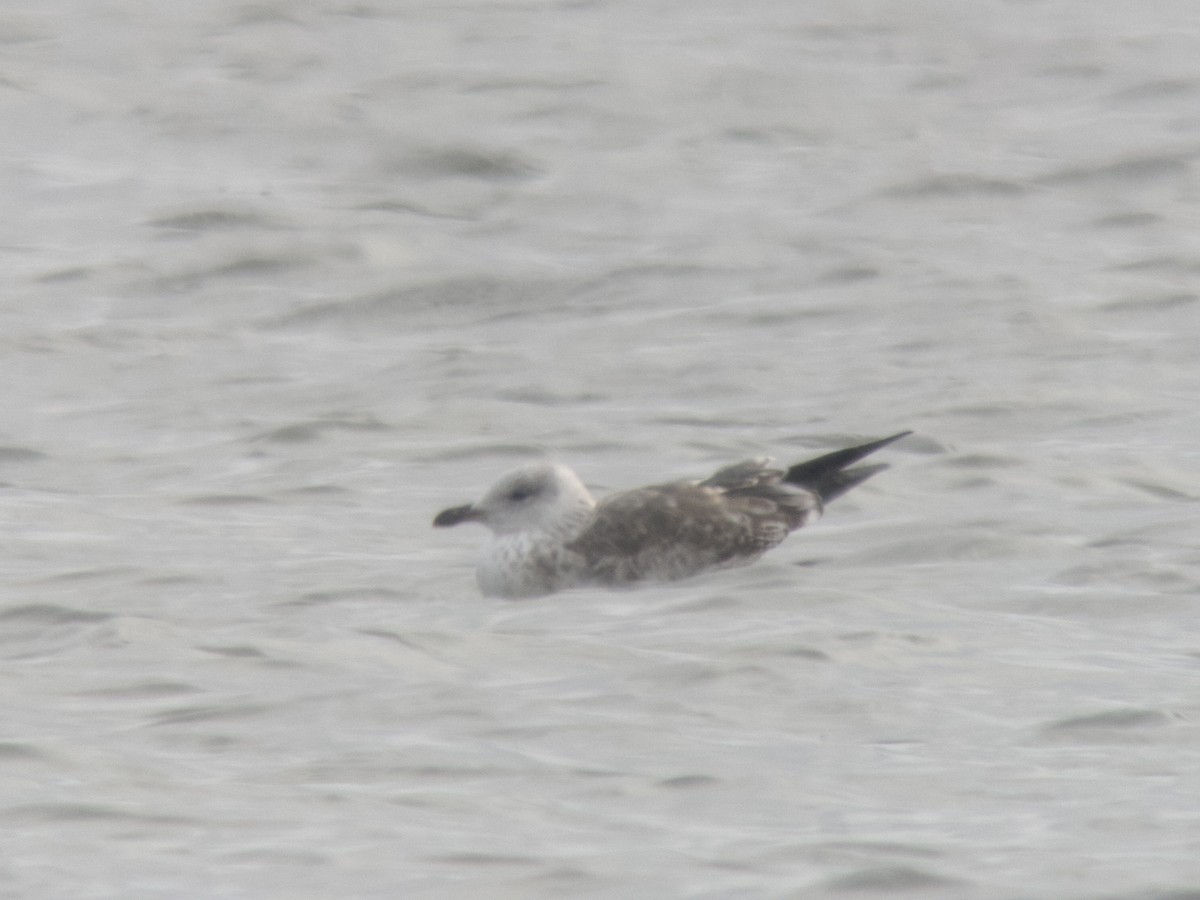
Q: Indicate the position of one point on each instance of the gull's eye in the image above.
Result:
(522, 492)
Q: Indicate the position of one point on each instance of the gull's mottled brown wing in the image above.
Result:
(671, 531)
(748, 473)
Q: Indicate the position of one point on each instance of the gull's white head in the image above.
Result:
(544, 497)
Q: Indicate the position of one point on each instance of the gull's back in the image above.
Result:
(670, 531)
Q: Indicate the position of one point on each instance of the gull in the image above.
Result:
(548, 534)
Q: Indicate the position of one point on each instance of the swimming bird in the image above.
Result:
(548, 533)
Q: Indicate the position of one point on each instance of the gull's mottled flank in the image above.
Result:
(549, 534)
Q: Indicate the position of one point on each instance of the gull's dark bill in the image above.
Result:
(455, 516)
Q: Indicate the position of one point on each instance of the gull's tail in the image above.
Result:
(828, 477)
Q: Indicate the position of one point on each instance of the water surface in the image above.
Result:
(284, 280)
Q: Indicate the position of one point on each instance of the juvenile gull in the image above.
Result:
(548, 534)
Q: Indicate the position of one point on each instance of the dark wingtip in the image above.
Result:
(456, 515)
(829, 476)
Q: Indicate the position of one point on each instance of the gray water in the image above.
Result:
(284, 279)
